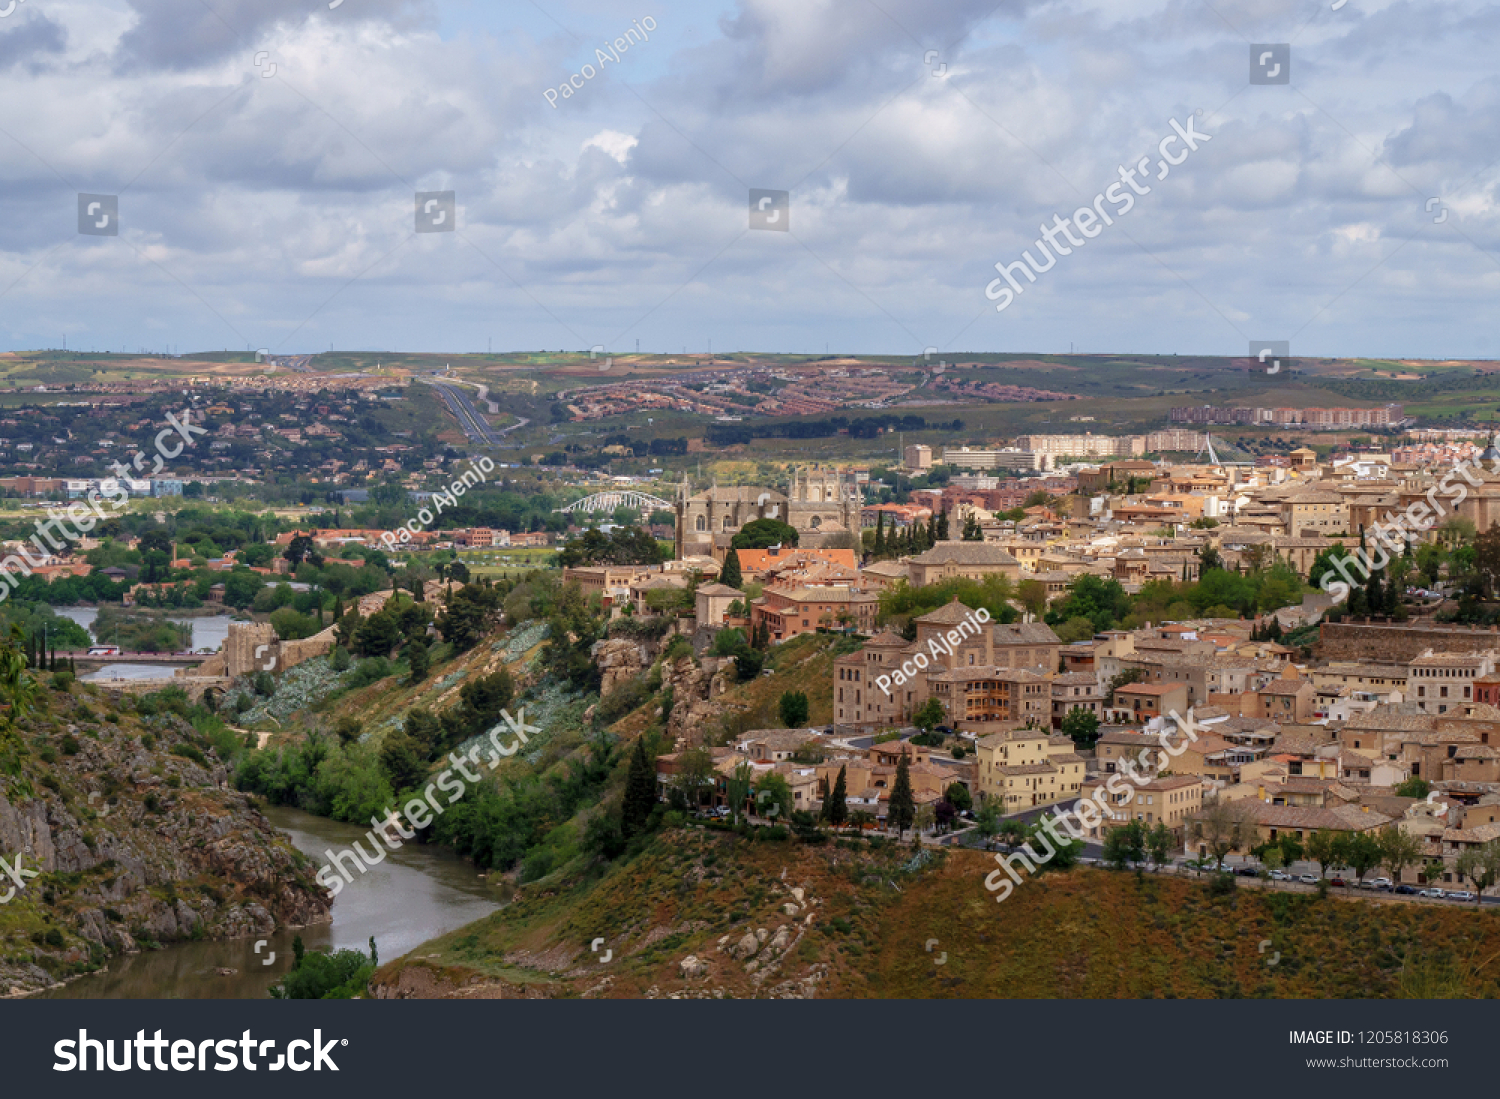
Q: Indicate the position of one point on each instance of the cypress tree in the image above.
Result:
(903, 806)
(880, 534)
(836, 809)
(942, 527)
(730, 575)
(932, 531)
(640, 792)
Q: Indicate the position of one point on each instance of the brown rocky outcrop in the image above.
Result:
(696, 688)
(133, 842)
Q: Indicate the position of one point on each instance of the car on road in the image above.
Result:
(1247, 871)
(1340, 883)
(1309, 879)
(1460, 895)
(1281, 875)
(1405, 890)
(1436, 894)
(1376, 883)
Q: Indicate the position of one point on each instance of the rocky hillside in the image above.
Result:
(136, 839)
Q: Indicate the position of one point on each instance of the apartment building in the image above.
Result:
(1440, 681)
(1025, 768)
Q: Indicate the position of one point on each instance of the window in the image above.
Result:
(702, 522)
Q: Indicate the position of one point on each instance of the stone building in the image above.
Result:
(822, 505)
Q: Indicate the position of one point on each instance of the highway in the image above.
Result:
(475, 426)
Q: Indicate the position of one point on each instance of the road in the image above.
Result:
(475, 426)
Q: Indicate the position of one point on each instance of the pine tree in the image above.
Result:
(903, 806)
(419, 660)
(836, 808)
(880, 545)
(640, 792)
(729, 575)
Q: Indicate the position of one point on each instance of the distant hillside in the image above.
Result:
(708, 914)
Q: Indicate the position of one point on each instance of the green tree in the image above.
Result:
(972, 531)
(403, 761)
(1399, 849)
(903, 804)
(1221, 828)
(695, 773)
(1480, 865)
(836, 805)
(1117, 848)
(1362, 853)
(378, 634)
(880, 546)
(958, 796)
(793, 708)
(1033, 596)
(469, 613)
(1322, 849)
(773, 797)
(1082, 726)
(326, 975)
(929, 715)
(987, 820)
(418, 660)
(729, 575)
(738, 789)
(1159, 844)
(640, 792)
(1414, 787)
(764, 533)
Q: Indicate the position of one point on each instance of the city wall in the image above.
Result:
(1397, 642)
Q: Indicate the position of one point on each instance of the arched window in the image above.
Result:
(702, 522)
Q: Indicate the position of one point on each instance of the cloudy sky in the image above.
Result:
(266, 155)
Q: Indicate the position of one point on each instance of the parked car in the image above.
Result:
(1376, 883)
(1281, 875)
(1247, 871)
(1460, 895)
(1436, 894)
(1405, 889)
(1309, 879)
(1340, 882)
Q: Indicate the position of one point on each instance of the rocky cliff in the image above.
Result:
(696, 687)
(123, 833)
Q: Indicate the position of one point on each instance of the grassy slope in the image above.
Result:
(1083, 934)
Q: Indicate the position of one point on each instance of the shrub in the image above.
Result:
(192, 752)
(620, 701)
(340, 659)
(370, 671)
(70, 745)
(537, 864)
(54, 938)
(62, 680)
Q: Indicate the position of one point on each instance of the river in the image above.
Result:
(416, 894)
(209, 631)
